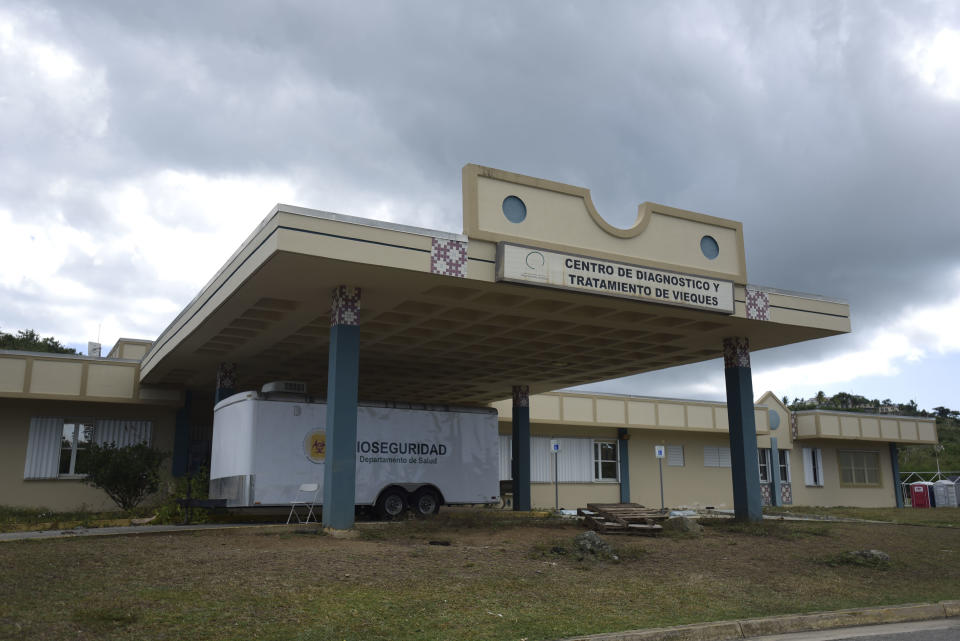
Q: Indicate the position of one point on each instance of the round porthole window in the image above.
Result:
(774, 419)
(709, 247)
(514, 209)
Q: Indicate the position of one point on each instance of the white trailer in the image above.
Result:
(408, 456)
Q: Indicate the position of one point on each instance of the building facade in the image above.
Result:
(538, 293)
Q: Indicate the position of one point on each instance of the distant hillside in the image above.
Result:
(923, 458)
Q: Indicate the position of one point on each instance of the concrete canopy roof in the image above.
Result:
(466, 339)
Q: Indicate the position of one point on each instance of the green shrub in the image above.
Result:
(197, 486)
(126, 474)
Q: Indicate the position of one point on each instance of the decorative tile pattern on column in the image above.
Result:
(227, 376)
(345, 306)
(448, 257)
(521, 396)
(794, 429)
(786, 493)
(736, 352)
(766, 498)
(758, 305)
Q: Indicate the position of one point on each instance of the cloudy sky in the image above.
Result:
(141, 142)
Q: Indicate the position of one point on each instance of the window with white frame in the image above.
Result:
(784, 456)
(57, 447)
(812, 467)
(859, 469)
(716, 456)
(605, 461)
(675, 455)
(763, 457)
(574, 462)
(75, 438)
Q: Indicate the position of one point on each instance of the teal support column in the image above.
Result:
(745, 468)
(343, 376)
(895, 466)
(521, 447)
(181, 438)
(623, 460)
(226, 381)
(775, 497)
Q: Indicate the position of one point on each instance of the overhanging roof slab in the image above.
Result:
(434, 338)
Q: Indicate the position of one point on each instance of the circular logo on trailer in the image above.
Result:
(315, 446)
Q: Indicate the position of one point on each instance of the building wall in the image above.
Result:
(573, 495)
(832, 493)
(783, 432)
(692, 485)
(64, 494)
(697, 486)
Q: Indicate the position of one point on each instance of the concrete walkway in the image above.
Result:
(127, 530)
(155, 529)
(755, 628)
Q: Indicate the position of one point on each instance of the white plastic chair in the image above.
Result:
(307, 497)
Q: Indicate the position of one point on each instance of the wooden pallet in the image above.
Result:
(622, 518)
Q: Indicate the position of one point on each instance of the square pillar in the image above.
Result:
(623, 460)
(181, 438)
(521, 447)
(776, 498)
(895, 466)
(744, 465)
(343, 375)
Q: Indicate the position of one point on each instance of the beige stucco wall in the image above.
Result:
(832, 494)
(573, 495)
(549, 429)
(663, 236)
(604, 411)
(697, 486)
(783, 433)
(134, 351)
(691, 485)
(57, 377)
(15, 415)
(866, 427)
(13, 371)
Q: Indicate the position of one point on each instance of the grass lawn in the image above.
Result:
(497, 577)
(947, 517)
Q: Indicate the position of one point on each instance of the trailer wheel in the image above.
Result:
(391, 504)
(426, 502)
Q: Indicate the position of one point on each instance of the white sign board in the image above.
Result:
(660, 450)
(554, 445)
(532, 266)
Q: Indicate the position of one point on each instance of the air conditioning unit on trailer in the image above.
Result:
(284, 387)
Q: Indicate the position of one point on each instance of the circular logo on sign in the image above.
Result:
(315, 446)
(535, 260)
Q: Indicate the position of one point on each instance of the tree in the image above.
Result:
(945, 412)
(27, 340)
(821, 398)
(127, 474)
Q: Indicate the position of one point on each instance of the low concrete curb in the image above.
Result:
(749, 628)
(81, 532)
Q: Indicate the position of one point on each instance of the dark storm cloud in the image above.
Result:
(799, 119)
